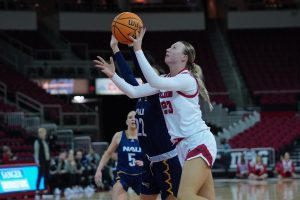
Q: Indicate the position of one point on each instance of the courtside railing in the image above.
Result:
(81, 121)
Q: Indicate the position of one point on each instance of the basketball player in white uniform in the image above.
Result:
(179, 99)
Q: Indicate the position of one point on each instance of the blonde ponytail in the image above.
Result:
(197, 72)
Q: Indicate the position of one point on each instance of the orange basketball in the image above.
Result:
(124, 25)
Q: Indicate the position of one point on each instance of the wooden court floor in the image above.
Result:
(272, 189)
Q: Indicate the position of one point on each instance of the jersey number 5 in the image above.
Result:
(166, 107)
(131, 159)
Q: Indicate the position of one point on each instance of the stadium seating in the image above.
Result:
(6, 108)
(88, 5)
(31, 38)
(269, 61)
(165, 6)
(276, 129)
(32, 43)
(16, 5)
(277, 99)
(16, 82)
(19, 141)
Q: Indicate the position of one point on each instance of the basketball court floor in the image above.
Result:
(229, 189)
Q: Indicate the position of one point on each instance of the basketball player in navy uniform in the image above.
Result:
(163, 169)
(129, 164)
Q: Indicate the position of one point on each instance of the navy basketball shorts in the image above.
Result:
(128, 180)
(162, 177)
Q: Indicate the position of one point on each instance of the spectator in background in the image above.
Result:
(58, 176)
(288, 167)
(279, 167)
(52, 138)
(224, 144)
(53, 174)
(259, 170)
(242, 169)
(7, 156)
(82, 166)
(225, 155)
(42, 158)
(93, 159)
(72, 174)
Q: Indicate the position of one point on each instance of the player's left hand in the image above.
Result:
(107, 68)
(137, 41)
(139, 163)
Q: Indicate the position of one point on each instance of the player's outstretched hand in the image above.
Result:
(137, 41)
(107, 68)
(139, 163)
(98, 178)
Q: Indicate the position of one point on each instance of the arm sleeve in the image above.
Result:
(180, 82)
(125, 70)
(134, 91)
(137, 65)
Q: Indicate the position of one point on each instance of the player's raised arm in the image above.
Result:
(179, 82)
(137, 65)
(176, 83)
(124, 68)
(129, 90)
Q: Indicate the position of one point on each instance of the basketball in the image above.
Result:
(124, 25)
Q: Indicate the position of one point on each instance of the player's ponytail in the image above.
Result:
(196, 71)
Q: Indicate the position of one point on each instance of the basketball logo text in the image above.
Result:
(133, 23)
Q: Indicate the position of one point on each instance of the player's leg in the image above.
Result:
(208, 189)
(169, 178)
(170, 197)
(149, 188)
(195, 174)
(118, 192)
(149, 197)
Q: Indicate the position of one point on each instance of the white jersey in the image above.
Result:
(287, 165)
(180, 105)
(182, 111)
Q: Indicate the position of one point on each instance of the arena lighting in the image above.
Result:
(82, 99)
(78, 99)
(140, 1)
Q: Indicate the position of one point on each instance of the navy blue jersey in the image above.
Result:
(129, 151)
(152, 130)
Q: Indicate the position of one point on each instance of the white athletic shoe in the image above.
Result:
(57, 191)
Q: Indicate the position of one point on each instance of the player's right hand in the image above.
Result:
(137, 41)
(107, 68)
(139, 163)
(98, 178)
